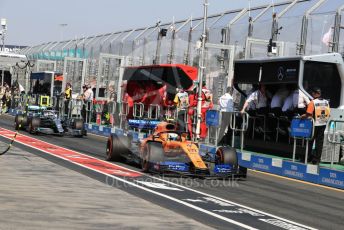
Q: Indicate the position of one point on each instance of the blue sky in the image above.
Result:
(32, 22)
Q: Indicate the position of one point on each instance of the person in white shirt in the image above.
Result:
(288, 104)
(297, 102)
(278, 99)
(300, 101)
(226, 102)
(226, 107)
(87, 97)
(258, 100)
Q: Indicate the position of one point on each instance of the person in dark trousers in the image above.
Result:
(319, 109)
(67, 97)
(226, 107)
(181, 101)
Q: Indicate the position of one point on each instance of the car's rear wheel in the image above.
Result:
(19, 122)
(34, 124)
(153, 154)
(116, 146)
(78, 124)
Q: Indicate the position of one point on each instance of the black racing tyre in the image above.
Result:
(78, 124)
(18, 121)
(116, 146)
(153, 153)
(243, 172)
(24, 121)
(226, 155)
(34, 124)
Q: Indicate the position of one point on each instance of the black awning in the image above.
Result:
(173, 76)
(285, 72)
(273, 71)
(247, 73)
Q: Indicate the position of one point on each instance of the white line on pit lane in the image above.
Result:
(149, 190)
(172, 198)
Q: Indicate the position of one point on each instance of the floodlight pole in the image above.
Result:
(201, 69)
(156, 60)
(3, 34)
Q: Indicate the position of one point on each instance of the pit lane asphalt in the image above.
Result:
(303, 203)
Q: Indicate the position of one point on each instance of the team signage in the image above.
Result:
(301, 128)
(212, 118)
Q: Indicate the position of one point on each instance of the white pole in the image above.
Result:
(201, 69)
(3, 34)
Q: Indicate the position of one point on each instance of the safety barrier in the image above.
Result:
(171, 113)
(302, 129)
(61, 106)
(75, 108)
(88, 111)
(243, 128)
(112, 110)
(123, 113)
(153, 112)
(54, 102)
(335, 134)
(138, 110)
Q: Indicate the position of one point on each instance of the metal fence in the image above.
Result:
(296, 26)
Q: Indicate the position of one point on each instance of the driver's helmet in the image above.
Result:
(173, 136)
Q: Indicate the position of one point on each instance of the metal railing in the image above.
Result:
(243, 128)
(153, 112)
(138, 110)
(334, 137)
(123, 113)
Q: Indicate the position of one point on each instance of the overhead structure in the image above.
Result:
(288, 28)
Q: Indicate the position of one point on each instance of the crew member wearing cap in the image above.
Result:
(319, 109)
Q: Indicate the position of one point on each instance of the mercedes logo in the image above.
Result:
(280, 73)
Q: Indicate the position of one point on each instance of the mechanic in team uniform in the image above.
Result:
(181, 101)
(67, 97)
(207, 103)
(319, 109)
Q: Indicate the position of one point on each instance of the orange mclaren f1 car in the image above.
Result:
(168, 151)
